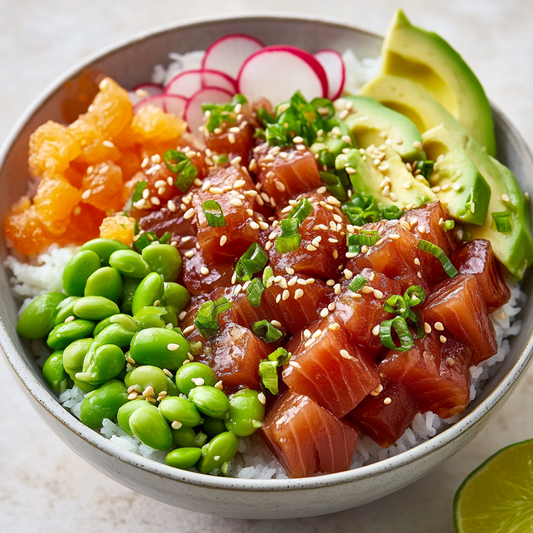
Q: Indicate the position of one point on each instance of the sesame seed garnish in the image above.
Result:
(332, 200)
(306, 345)
(417, 145)
(417, 261)
(348, 274)
(345, 354)
(331, 306)
(262, 398)
(189, 214)
(505, 198)
(377, 391)
(237, 290)
(378, 294)
(204, 270)
(285, 295)
(310, 248)
(236, 202)
(438, 326)
(176, 424)
(427, 327)
(289, 271)
(254, 224)
(198, 381)
(149, 391)
(188, 329)
(387, 401)
(297, 140)
(422, 229)
(223, 240)
(231, 138)
(133, 395)
(189, 254)
(442, 339)
(366, 289)
(280, 186)
(375, 330)
(394, 236)
(70, 319)
(172, 346)
(167, 372)
(324, 313)
(419, 274)
(218, 385)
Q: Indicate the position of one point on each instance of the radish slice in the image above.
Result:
(277, 72)
(230, 52)
(190, 82)
(139, 92)
(333, 64)
(193, 112)
(169, 103)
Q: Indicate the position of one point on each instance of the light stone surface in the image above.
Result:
(44, 486)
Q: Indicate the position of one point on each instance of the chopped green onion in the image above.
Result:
(288, 243)
(299, 212)
(181, 165)
(400, 326)
(414, 295)
(255, 291)
(136, 227)
(265, 117)
(325, 107)
(395, 304)
(268, 373)
(334, 185)
(358, 282)
(502, 221)
(219, 113)
(391, 212)
(165, 238)
(281, 355)
(449, 224)
(426, 168)
(289, 226)
(266, 331)
(138, 191)
(219, 159)
(251, 262)
(434, 250)
(207, 316)
(268, 277)
(363, 238)
(146, 238)
(213, 214)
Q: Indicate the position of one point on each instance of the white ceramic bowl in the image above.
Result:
(130, 63)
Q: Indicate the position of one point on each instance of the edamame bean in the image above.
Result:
(73, 357)
(37, 319)
(104, 248)
(95, 308)
(176, 297)
(126, 296)
(122, 319)
(179, 409)
(101, 364)
(183, 458)
(115, 334)
(200, 372)
(150, 290)
(78, 270)
(150, 317)
(125, 412)
(210, 401)
(54, 372)
(103, 402)
(150, 376)
(64, 334)
(213, 426)
(106, 282)
(129, 264)
(65, 309)
(150, 427)
(188, 438)
(163, 259)
(246, 412)
(221, 449)
(160, 347)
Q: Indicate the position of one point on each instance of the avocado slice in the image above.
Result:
(426, 58)
(372, 123)
(514, 249)
(455, 179)
(401, 188)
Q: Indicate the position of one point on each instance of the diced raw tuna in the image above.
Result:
(477, 258)
(284, 176)
(235, 140)
(459, 306)
(306, 438)
(360, 312)
(322, 249)
(235, 356)
(195, 278)
(330, 370)
(385, 417)
(232, 240)
(435, 374)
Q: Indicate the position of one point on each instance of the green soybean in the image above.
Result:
(246, 412)
(122, 319)
(129, 264)
(104, 248)
(221, 449)
(78, 270)
(115, 334)
(37, 319)
(95, 308)
(103, 402)
(183, 458)
(73, 357)
(150, 376)
(163, 259)
(65, 309)
(213, 426)
(160, 347)
(150, 427)
(210, 401)
(64, 334)
(126, 296)
(125, 412)
(106, 282)
(188, 438)
(54, 372)
(176, 297)
(197, 371)
(179, 409)
(150, 317)
(149, 291)
(101, 364)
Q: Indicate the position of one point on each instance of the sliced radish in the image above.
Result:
(277, 72)
(190, 82)
(143, 90)
(169, 103)
(333, 64)
(193, 112)
(230, 52)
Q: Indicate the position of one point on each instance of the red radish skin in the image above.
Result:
(193, 112)
(167, 102)
(228, 53)
(188, 83)
(144, 90)
(277, 72)
(335, 70)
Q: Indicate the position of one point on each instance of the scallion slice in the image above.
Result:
(400, 326)
(207, 316)
(391, 212)
(281, 355)
(251, 262)
(414, 295)
(180, 164)
(334, 185)
(268, 373)
(434, 250)
(268, 277)
(213, 214)
(358, 282)
(146, 238)
(138, 191)
(255, 291)
(299, 212)
(266, 331)
(502, 221)
(395, 304)
(289, 240)
(449, 224)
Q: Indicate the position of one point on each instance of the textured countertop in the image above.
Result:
(46, 487)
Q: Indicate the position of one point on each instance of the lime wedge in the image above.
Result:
(497, 497)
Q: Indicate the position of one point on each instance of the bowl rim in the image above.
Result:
(51, 404)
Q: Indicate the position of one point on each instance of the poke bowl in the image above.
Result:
(130, 64)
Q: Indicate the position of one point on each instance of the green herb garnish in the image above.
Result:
(181, 165)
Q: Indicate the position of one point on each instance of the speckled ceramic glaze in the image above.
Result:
(131, 63)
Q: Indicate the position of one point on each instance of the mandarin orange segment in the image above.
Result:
(103, 187)
(52, 148)
(94, 146)
(119, 227)
(152, 123)
(84, 225)
(74, 174)
(130, 163)
(26, 231)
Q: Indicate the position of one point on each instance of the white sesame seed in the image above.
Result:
(86, 194)
(310, 248)
(377, 391)
(198, 381)
(387, 401)
(438, 326)
(298, 294)
(204, 270)
(367, 289)
(394, 236)
(172, 347)
(345, 354)
(188, 329)
(422, 229)
(442, 339)
(417, 145)
(331, 306)
(285, 295)
(324, 313)
(289, 270)
(378, 294)
(254, 224)
(236, 202)
(419, 274)
(348, 274)
(223, 240)
(375, 330)
(237, 290)
(306, 345)
(189, 213)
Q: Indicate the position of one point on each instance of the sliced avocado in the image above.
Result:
(455, 179)
(401, 188)
(514, 249)
(372, 123)
(426, 58)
